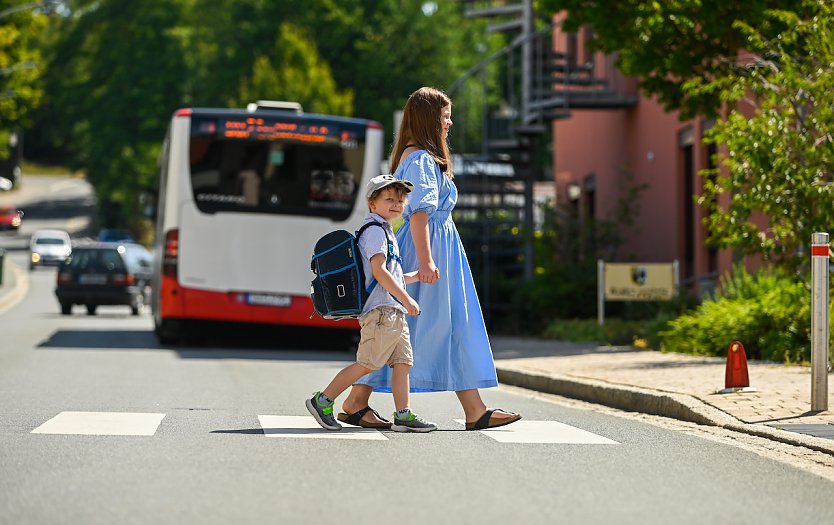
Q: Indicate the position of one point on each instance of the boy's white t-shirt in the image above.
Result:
(373, 241)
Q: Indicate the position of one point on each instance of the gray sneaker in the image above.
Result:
(322, 413)
(412, 423)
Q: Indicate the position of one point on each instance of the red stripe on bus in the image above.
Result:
(187, 303)
(819, 250)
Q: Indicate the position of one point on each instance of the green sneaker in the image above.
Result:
(322, 413)
(412, 423)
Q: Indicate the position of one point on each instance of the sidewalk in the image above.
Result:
(674, 385)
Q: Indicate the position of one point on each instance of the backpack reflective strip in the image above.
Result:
(317, 255)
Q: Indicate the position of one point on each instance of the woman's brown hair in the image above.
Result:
(421, 125)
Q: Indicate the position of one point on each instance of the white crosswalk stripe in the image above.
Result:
(102, 424)
(306, 427)
(543, 432)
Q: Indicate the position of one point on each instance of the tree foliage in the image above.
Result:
(780, 159)
(117, 70)
(114, 81)
(666, 44)
(300, 76)
(21, 67)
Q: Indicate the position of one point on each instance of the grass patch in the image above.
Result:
(614, 332)
(29, 168)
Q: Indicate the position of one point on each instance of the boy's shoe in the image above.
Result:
(322, 413)
(412, 423)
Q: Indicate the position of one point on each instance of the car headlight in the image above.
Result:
(35, 257)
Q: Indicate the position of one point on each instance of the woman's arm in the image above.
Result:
(427, 272)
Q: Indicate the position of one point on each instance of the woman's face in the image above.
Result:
(446, 119)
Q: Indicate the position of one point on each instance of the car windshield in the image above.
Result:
(50, 240)
(95, 261)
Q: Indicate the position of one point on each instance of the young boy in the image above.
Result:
(384, 339)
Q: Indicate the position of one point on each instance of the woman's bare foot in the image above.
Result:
(357, 399)
(370, 416)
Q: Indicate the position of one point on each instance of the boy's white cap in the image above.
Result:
(381, 181)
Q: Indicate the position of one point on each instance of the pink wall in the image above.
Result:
(648, 140)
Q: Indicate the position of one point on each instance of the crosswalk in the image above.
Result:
(304, 427)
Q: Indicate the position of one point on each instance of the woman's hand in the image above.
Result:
(428, 273)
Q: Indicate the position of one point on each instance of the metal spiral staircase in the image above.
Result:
(541, 75)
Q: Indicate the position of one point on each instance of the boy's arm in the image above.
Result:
(411, 277)
(387, 281)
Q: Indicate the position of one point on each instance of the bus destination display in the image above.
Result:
(256, 128)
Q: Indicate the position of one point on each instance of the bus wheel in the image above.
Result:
(168, 332)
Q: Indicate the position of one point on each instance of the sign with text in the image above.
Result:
(640, 281)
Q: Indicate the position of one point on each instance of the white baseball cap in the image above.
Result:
(382, 181)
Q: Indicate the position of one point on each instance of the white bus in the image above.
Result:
(244, 194)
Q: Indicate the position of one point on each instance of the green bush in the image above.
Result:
(768, 312)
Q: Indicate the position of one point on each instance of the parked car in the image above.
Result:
(48, 247)
(10, 218)
(105, 274)
(115, 235)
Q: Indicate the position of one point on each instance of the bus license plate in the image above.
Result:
(268, 299)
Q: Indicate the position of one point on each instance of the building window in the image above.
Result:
(590, 197)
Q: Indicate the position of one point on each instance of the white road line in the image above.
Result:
(102, 424)
(306, 427)
(543, 432)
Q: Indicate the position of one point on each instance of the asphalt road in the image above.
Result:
(228, 440)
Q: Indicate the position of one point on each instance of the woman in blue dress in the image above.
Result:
(452, 350)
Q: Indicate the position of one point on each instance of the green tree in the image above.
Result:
(300, 76)
(21, 66)
(114, 80)
(665, 44)
(780, 150)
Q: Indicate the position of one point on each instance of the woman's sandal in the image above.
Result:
(486, 420)
(355, 419)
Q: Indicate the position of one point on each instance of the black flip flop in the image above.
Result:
(483, 422)
(355, 419)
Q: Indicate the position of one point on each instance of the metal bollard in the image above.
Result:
(819, 321)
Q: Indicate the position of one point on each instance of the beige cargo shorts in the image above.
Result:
(384, 339)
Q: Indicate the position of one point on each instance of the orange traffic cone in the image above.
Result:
(735, 377)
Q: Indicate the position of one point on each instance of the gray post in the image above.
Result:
(600, 292)
(819, 321)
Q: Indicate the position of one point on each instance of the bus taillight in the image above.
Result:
(171, 253)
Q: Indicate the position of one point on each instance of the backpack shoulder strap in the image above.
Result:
(388, 257)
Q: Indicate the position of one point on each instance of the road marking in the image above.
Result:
(102, 424)
(306, 427)
(543, 432)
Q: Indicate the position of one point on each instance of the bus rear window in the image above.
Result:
(277, 170)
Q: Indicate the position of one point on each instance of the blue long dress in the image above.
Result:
(449, 338)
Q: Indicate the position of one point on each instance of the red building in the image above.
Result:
(593, 151)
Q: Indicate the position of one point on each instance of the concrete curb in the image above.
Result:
(15, 286)
(682, 407)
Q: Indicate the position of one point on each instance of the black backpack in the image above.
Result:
(338, 289)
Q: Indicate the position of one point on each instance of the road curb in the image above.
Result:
(682, 407)
(15, 288)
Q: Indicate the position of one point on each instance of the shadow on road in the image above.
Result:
(282, 349)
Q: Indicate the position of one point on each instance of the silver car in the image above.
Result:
(49, 247)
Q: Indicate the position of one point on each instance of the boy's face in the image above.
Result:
(389, 204)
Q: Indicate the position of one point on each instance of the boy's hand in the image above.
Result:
(411, 306)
